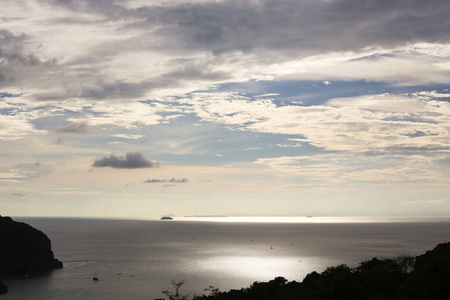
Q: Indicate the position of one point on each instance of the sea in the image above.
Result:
(138, 259)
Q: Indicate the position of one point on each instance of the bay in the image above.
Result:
(137, 259)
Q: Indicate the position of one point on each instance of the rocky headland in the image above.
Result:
(3, 288)
(24, 250)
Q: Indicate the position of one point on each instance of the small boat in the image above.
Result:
(95, 278)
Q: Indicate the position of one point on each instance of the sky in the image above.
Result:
(140, 109)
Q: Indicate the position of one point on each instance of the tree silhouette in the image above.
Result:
(176, 295)
(213, 290)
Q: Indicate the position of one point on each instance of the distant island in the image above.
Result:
(405, 277)
(166, 218)
(24, 250)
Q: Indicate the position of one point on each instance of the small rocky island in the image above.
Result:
(166, 218)
(24, 250)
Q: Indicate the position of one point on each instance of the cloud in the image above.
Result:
(21, 172)
(155, 180)
(285, 25)
(19, 64)
(14, 54)
(117, 143)
(387, 124)
(178, 47)
(129, 136)
(19, 116)
(357, 167)
(171, 180)
(383, 102)
(75, 128)
(294, 145)
(182, 180)
(58, 141)
(428, 201)
(123, 114)
(16, 127)
(131, 160)
(19, 195)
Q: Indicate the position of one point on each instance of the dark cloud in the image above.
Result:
(154, 180)
(306, 27)
(131, 160)
(77, 128)
(58, 141)
(196, 72)
(270, 31)
(117, 90)
(300, 27)
(109, 8)
(120, 89)
(101, 89)
(12, 49)
(19, 195)
(171, 180)
(16, 61)
(182, 180)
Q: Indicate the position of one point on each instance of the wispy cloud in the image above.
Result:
(428, 202)
(353, 167)
(129, 136)
(372, 123)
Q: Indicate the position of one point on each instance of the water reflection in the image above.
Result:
(259, 268)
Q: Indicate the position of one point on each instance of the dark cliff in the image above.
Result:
(24, 249)
(3, 288)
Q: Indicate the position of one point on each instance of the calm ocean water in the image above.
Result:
(138, 259)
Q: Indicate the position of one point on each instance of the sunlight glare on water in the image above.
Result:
(255, 267)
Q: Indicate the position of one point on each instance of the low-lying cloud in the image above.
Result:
(132, 160)
(171, 180)
(76, 128)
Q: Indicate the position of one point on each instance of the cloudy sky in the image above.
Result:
(138, 109)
